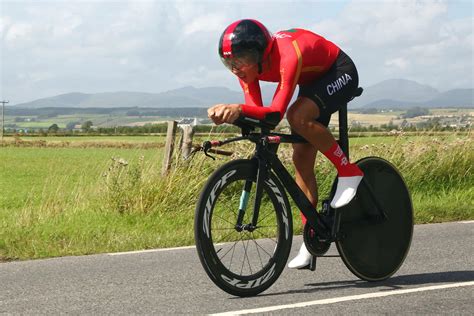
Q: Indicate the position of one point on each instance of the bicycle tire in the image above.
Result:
(219, 204)
(372, 248)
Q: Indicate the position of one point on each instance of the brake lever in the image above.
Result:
(205, 147)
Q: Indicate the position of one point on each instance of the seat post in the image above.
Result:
(343, 133)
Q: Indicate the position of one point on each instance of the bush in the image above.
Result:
(137, 187)
(86, 126)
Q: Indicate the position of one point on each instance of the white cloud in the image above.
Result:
(206, 23)
(67, 26)
(401, 63)
(5, 21)
(39, 76)
(376, 24)
(18, 34)
(65, 45)
(404, 39)
(197, 75)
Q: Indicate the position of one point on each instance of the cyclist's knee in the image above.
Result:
(303, 112)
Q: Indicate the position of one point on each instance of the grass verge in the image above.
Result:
(127, 205)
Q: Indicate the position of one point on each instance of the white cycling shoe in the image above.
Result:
(346, 190)
(302, 260)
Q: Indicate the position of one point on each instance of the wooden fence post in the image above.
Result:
(169, 146)
(187, 145)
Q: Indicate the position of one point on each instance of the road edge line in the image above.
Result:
(344, 299)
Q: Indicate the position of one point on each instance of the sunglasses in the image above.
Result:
(237, 64)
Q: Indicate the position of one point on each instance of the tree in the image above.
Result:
(53, 128)
(70, 126)
(86, 126)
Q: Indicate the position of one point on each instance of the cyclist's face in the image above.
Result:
(247, 74)
(242, 68)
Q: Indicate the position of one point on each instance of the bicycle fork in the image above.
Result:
(244, 199)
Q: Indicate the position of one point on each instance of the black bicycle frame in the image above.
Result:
(267, 144)
(268, 159)
(265, 154)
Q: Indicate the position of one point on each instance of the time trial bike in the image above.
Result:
(243, 221)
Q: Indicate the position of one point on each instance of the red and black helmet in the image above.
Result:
(245, 39)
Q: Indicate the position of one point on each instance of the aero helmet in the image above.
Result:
(245, 41)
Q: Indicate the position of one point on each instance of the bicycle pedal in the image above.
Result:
(327, 204)
(326, 208)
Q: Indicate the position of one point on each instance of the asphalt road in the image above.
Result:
(436, 278)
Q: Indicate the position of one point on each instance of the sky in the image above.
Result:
(61, 46)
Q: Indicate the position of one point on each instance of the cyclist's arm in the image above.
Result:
(253, 95)
(290, 69)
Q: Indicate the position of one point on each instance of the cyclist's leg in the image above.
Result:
(304, 156)
(318, 100)
(300, 119)
(303, 118)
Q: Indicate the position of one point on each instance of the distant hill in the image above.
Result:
(395, 89)
(401, 93)
(393, 93)
(183, 97)
(454, 98)
(63, 100)
(460, 98)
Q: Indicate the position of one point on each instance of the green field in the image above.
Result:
(91, 139)
(104, 120)
(58, 201)
(28, 174)
(119, 118)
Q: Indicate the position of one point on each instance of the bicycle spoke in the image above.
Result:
(225, 219)
(245, 257)
(258, 252)
(223, 238)
(232, 210)
(264, 217)
(256, 243)
(233, 228)
(248, 260)
(232, 257)
(243, 260)
(266, 236)
(226, 251)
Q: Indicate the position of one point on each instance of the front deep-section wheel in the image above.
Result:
(241, 258)
(371, 246)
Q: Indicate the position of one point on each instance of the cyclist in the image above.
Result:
(327, 78)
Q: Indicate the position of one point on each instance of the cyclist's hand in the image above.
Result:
(224, 113)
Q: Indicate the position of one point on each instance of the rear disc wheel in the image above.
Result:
(374, 248)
